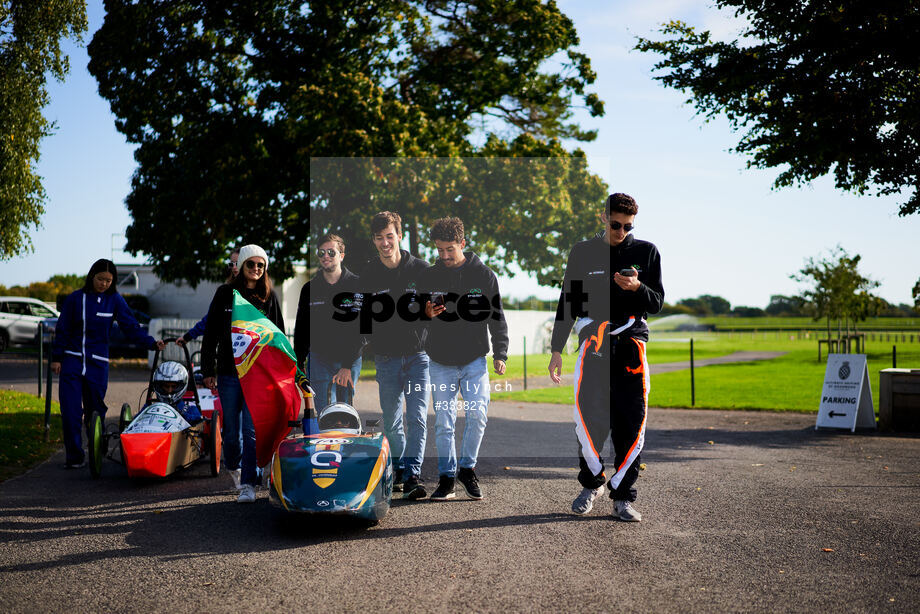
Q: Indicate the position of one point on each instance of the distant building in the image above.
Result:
(180, 301)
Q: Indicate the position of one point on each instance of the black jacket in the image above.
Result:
(592, 263)
(399, 334)
(316, 331)
(216, 348)
(474, 311)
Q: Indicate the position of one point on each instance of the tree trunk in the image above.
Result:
(413, 237)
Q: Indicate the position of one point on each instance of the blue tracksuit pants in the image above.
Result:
(80, 396)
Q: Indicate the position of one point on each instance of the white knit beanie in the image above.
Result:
(252, 251)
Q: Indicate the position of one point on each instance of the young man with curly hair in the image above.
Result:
(465, 310)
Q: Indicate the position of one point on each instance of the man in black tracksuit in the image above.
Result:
(611, 372)
(330, 347)
(465, 308)
(396, 330)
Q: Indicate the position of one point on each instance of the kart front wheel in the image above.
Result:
(215, 443)
(125, 418)
(96, 445)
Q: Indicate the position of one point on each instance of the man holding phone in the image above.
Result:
(458, 341)
(619, 278)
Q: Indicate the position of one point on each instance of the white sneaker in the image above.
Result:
(625, 511)
(235, 474)
(585, 501)
(247, 494)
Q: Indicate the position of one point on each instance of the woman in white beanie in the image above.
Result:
(219, 370)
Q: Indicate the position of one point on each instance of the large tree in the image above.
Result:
(30, 51)
(816, 87)
(230, 101)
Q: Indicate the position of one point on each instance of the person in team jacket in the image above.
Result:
(330, 347)
(398, 339)
(458, 341)
(612, 282)
(219, 368)
(80, 353)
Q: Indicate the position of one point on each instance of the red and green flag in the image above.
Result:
(267, 367)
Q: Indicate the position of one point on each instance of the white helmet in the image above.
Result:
(340, 417)
(170, 381)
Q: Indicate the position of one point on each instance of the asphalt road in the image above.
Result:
(743, 512)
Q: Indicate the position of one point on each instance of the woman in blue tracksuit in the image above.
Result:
(80, 354)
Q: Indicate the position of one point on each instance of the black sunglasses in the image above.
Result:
(252, 264)
(231, 264)
(330, 251)
(616, 226)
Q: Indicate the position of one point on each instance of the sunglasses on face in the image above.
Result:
(232, 264)
(616, 226)
(331, 252)
(252, 264)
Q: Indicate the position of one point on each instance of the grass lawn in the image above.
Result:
(791, 382)
(537, 363)
(22, 432)
(805, 323)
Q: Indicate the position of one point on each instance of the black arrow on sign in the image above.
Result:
(832, 413)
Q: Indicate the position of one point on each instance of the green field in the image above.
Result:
(22, 444)
(724, 323)
(537, 364)
(791, 382)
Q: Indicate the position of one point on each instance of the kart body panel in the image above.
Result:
(159, 441)
(333, 473)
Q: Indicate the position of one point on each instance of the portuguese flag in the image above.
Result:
(267, 367)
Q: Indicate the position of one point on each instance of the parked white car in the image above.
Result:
(20, 318)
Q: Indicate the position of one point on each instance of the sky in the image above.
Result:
(721, 229)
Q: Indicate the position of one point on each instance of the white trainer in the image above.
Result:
(247, 494)
(584, 502)
(625, 511)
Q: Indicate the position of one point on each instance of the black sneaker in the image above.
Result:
(412, 489)
(397, 480)
(445, 489)
(470, 483)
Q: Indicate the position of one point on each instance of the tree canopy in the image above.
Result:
(229, 102)
(30, 51)
(837, 289)
(817, 87)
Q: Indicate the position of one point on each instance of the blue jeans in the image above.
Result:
(320, 372)
(472, 382)
(238, 432)
(398, 377)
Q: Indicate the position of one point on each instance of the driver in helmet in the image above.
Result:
(340, 417)
(170, 381)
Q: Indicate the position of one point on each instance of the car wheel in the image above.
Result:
(125, 418)
(215, 443)
(96, 445)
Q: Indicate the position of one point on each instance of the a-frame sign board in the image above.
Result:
(846, 399)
